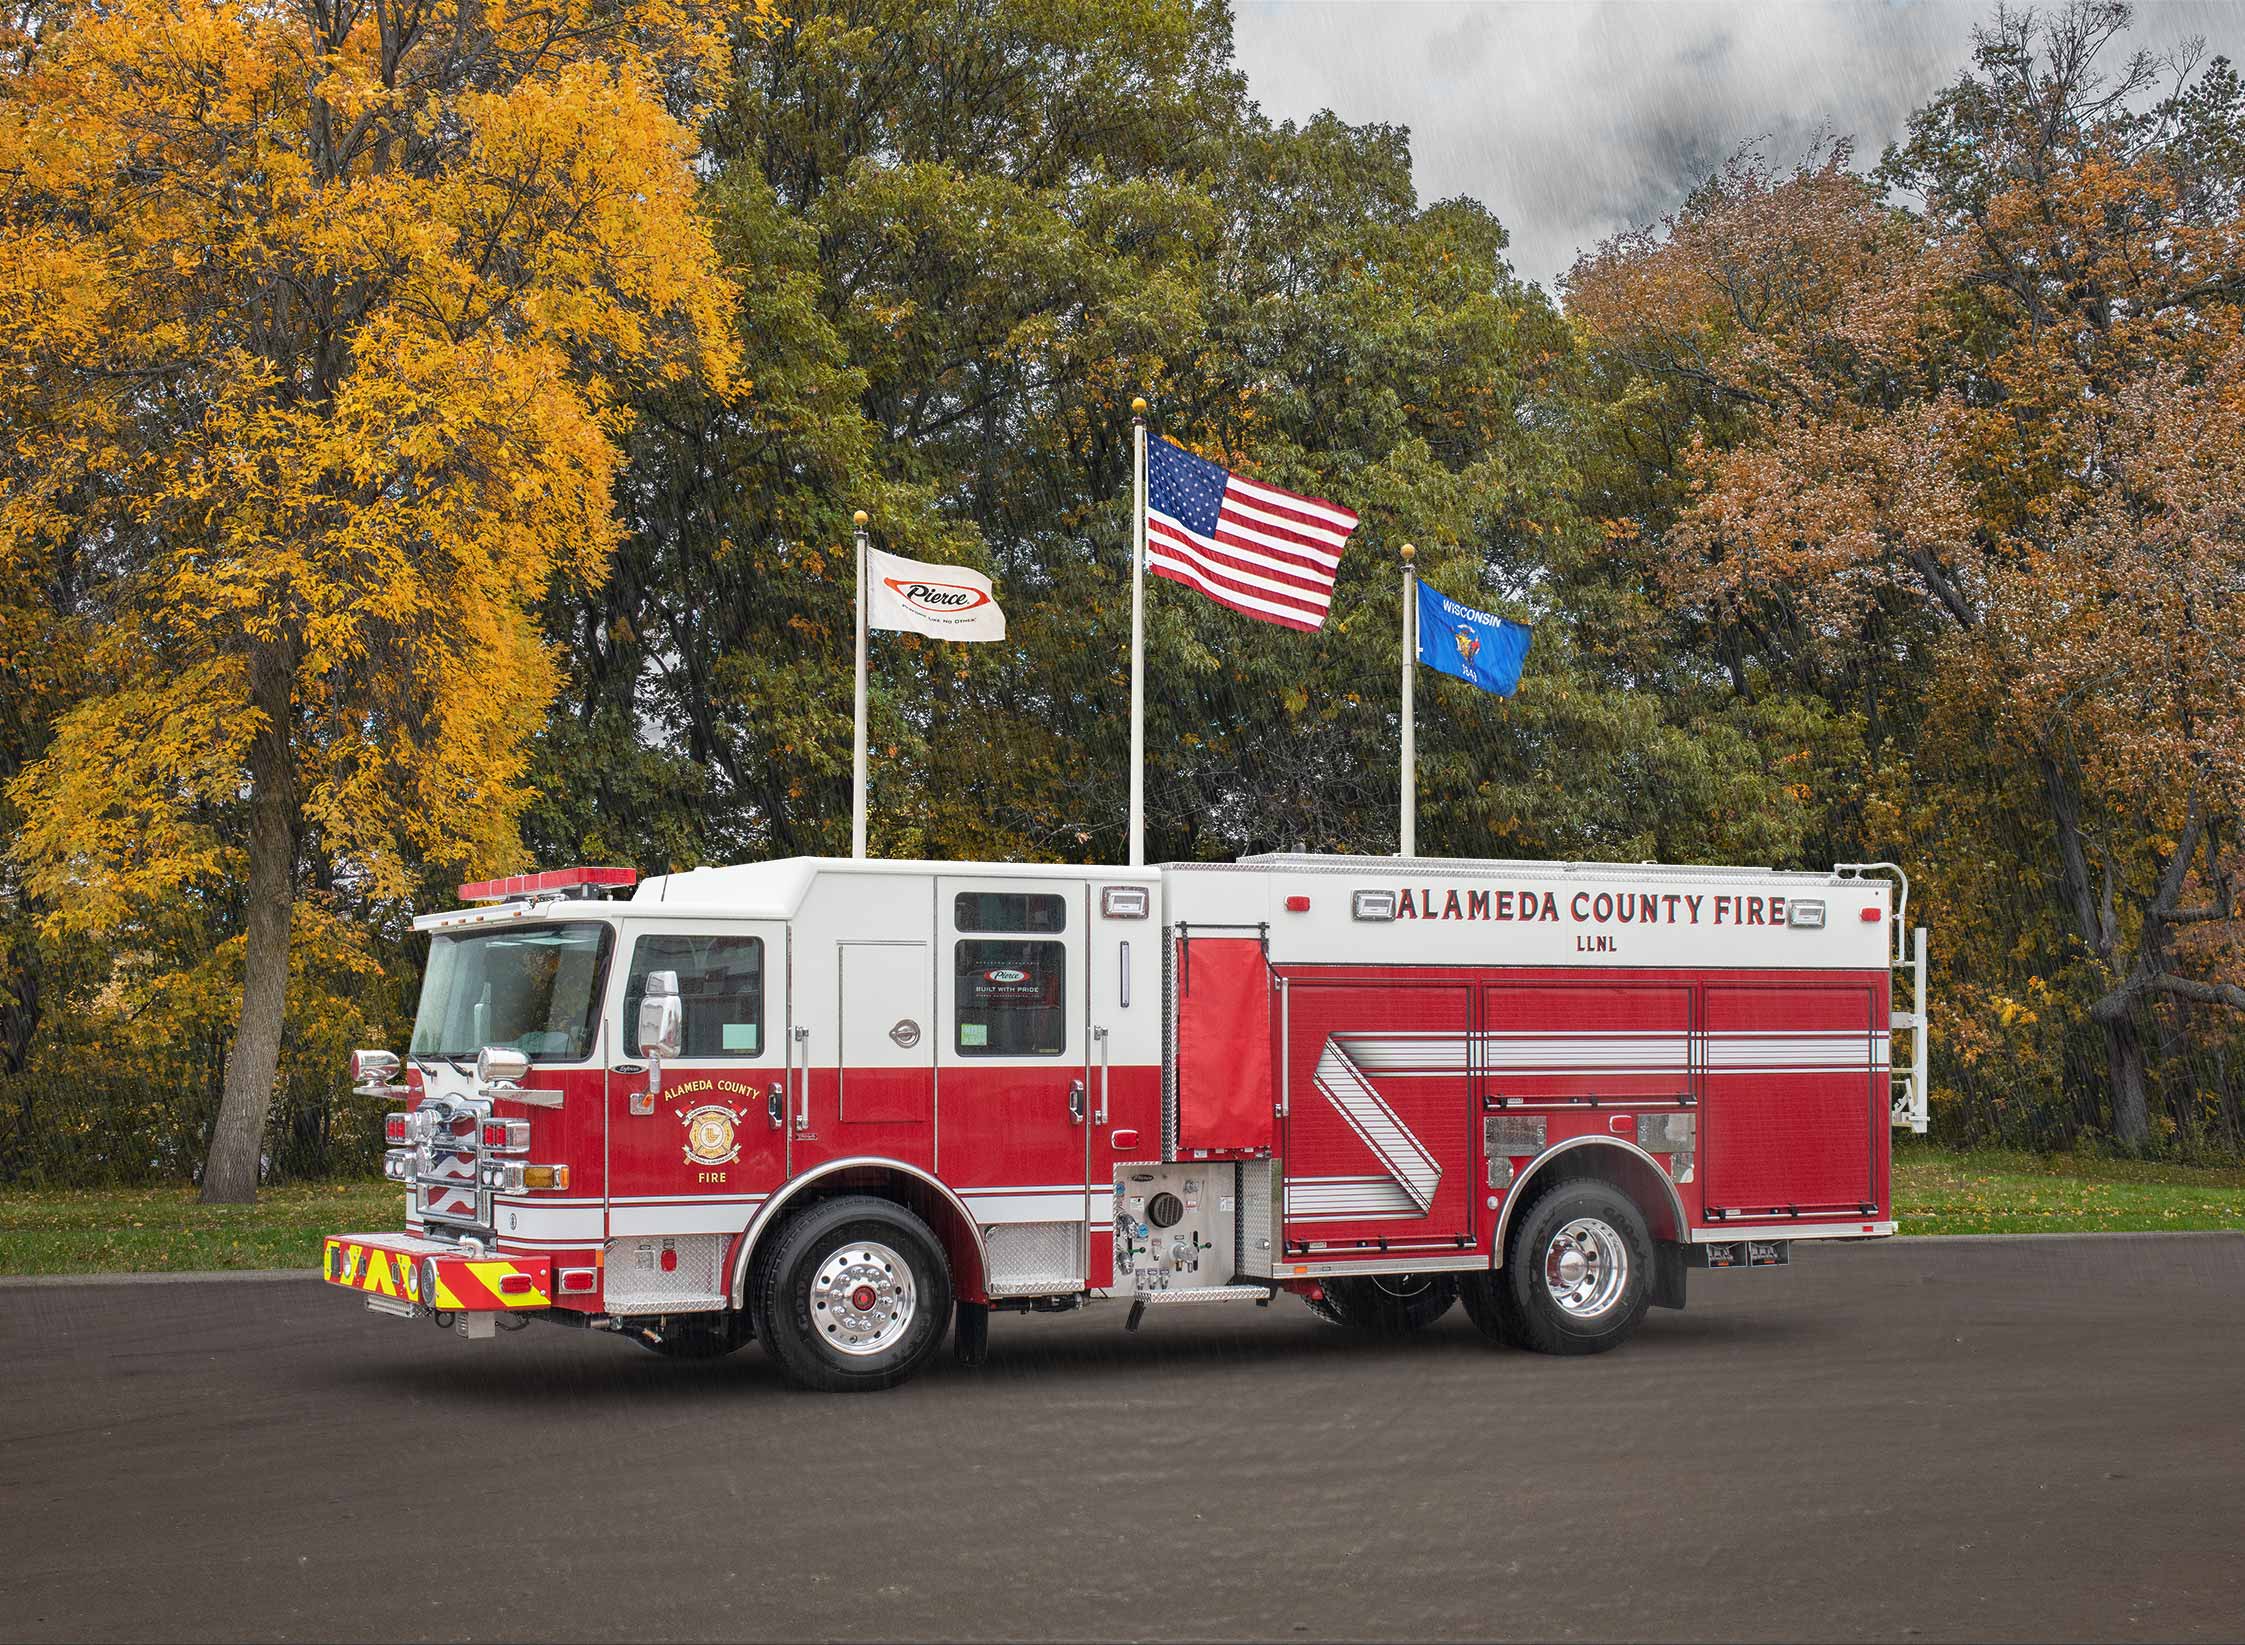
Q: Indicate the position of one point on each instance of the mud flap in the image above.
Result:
(1669, 1263)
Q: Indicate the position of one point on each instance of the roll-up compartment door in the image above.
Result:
(1795, 1104)
(1224, 1091)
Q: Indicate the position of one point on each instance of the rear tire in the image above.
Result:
(1479, 1293)
(1386, 1305)
(1578, 1272)
(856, 1297)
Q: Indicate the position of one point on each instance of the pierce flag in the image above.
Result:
(945, 602)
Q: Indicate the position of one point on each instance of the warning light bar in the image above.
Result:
(551, 882)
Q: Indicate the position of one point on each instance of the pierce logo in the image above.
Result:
(940, 599)
(1005, 974)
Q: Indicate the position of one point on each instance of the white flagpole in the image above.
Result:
(857, 744)
(1138, 635)
(1410, 774)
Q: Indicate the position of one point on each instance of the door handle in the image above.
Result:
(776, 1109)
(803, 1091)
(1076, 1101)
(1100, 1034)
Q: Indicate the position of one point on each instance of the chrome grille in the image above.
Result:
(445, 1155)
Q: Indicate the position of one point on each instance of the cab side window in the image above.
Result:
(720, 983)
(1010, 998)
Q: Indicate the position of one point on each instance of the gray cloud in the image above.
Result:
(1573, 120)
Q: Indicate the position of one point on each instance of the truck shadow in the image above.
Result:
(592, 1371)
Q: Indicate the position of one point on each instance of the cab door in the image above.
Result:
(1013, 1081)
(698, 1155)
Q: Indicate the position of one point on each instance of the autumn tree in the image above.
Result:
(1959, 471)
(319, 327)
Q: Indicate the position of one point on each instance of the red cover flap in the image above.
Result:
(1223, 1044)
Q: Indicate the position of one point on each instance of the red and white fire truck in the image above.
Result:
(843, 1106)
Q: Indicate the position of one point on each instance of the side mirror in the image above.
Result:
(372, 1072)
(662, 1024)
(501, 1065)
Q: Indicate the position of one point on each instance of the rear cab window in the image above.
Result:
(1009, 995)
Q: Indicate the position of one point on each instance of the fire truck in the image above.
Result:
(847, 1107)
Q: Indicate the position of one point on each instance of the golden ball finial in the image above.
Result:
(1408, 551)
(1138, 407)
(859, 518)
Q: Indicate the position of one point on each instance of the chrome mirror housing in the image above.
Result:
(373, 1074)
(500, 1065)
(662, 1024)
(373, 1067)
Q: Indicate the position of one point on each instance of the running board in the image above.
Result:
(1196, 1293)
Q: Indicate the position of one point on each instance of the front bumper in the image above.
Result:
(432, 1275)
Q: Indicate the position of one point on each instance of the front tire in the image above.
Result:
(1578, 1273)
(856, 1297)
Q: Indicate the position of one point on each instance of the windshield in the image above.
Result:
(536, 991)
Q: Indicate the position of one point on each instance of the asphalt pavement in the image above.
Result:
(1983, 1439)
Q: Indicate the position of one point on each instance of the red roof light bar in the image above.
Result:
(551, 882)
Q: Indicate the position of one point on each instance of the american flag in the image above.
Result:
(1264, 552)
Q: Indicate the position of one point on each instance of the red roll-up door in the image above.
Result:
(1223, 1044)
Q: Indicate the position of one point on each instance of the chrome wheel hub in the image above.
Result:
(861, 1298)
(1586, 1267)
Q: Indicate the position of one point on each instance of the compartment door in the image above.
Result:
(1013, 1060)
(885, 1086)
(1795, 1105)
(1378, 1113)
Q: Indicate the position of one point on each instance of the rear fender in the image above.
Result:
(1624, 1164)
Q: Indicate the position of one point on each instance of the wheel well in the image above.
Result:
(1605, 1159)
(922, 1196)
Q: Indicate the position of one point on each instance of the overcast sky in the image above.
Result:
(1573, 118)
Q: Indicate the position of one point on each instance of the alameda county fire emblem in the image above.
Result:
(712, 1136)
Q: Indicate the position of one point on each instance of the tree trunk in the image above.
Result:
(231, 1172)
(2124, 1061)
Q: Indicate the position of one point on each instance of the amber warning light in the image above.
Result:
(550, 882)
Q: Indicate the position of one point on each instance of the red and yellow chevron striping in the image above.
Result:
(420, 1271)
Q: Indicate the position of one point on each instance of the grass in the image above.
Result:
(1936, 1191)
(166, 1230)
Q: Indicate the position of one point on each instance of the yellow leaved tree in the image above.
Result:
(319, 325)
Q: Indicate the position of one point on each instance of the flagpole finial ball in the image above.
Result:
(1408, 551)
(1138, 408)
(859, 518)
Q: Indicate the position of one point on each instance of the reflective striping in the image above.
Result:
(1533, 1052)
(1745, 1052)
(1333, 1199)
(489, 1275)
(1343, 1084)
(1030, 1205)
(463, 1284)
